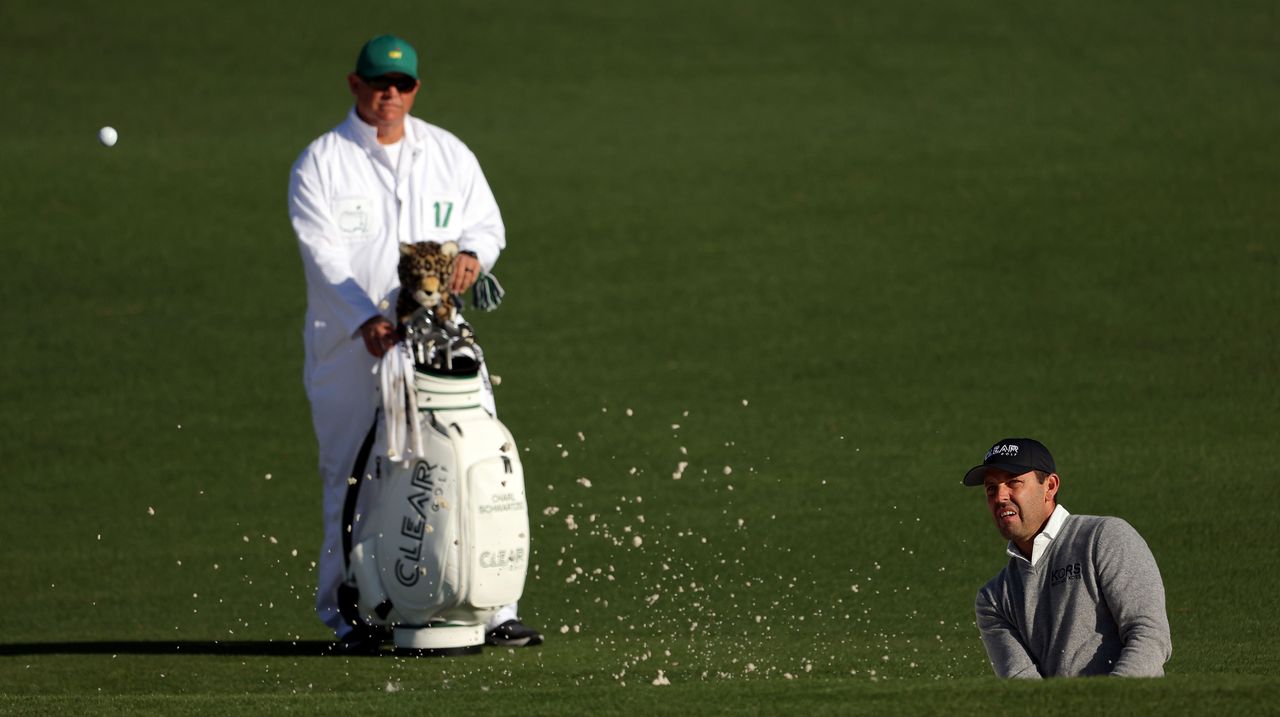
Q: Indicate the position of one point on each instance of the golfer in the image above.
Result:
(1081, 594)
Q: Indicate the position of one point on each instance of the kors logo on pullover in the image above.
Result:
(1069, 571)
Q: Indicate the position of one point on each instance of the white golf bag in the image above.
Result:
(444, 541)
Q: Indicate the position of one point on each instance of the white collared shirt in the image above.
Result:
(1044, 539)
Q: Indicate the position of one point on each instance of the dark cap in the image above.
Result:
(1014, 455)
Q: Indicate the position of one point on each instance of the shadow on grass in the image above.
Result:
(298, 648)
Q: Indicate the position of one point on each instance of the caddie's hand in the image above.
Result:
(379, 335)
(466, 269)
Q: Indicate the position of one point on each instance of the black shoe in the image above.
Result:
(363, 640)
(513, 633)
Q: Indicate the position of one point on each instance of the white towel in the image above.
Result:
(399, 402)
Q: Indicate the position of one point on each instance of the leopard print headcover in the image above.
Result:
(425, 270)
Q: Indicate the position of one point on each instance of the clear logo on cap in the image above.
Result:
(1004, 450)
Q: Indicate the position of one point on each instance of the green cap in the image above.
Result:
(386, 54)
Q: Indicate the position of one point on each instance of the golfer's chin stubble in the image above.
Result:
(1006, 531)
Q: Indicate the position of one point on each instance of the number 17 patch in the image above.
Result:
(444, 212)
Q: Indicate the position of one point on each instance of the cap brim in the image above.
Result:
(978, 474)
(368, 73)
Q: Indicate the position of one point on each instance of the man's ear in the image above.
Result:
(353, 81)
(1051, 487)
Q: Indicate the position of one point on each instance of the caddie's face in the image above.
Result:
(383, 101)
(1020, 505)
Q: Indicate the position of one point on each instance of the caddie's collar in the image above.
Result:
(367, 135)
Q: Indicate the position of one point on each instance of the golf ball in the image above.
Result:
(107, 136)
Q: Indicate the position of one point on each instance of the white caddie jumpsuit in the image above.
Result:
(351, 209)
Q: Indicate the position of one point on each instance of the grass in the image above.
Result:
(837, 248)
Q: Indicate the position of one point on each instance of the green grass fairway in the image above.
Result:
(823, 252)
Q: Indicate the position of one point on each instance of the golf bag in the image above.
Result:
(443, 542)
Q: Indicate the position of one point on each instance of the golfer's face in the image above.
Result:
(1019, 504)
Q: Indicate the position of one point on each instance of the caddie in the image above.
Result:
(1081, 594)
(378, 179)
